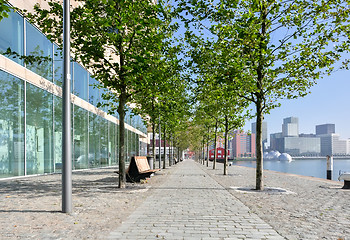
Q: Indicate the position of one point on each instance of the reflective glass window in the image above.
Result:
(81, 81)
(103, 92)
(112, 143)
(126, 148)
(58, 133)
(137, 145)
(81, 136)
(94, 140)
(38, 45)
(11, 36)
(94, 96)
(104, 160)
(39, 131)
(11, 126)
(58, 66)
(117, 142)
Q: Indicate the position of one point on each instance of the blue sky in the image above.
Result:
(328, 102)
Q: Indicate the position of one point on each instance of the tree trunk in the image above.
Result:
(216, 130)
(208, 138)
(154, 143)
(121, 112)
(226, 137)
(259, 102)
(170, 151)
(259, 149)
(164, 137)
(203, 149)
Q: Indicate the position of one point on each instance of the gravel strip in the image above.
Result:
(30, 208)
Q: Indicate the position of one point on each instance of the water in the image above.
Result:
(306, 167)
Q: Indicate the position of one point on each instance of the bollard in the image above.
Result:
(329, 167)
(150, 161)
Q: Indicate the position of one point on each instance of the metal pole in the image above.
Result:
(329, 167)
(66, 116)
(160, 145)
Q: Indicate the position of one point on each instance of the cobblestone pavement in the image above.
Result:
(186, 201)
(192, 205)
(316, 208)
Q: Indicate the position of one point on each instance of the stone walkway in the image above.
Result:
(192, 205)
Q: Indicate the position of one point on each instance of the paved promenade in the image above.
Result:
(185, 201)
(192, 205)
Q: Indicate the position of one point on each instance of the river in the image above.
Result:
(306, 167)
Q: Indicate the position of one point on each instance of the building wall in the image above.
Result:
(309, 146)
(243, 145)
(264, 133)
(273, 140)
(331, 144)
(290, 127)
(31, 113)
(325, 129)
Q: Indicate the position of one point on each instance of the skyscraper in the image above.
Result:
(325, 129)
(290, 127)
(264, 133)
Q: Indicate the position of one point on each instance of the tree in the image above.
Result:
(275, 49)
(4, 9)
(208, 64)
(116, 41)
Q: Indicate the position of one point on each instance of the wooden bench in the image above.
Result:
(139, 169)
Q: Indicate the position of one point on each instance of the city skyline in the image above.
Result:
(327, 103)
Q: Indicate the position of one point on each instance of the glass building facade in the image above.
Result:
(31, 110)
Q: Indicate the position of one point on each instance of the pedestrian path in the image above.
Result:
(192, 205)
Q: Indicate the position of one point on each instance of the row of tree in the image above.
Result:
(235, 60)
(250, 54)
(129, 47)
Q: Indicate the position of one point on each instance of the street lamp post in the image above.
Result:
(66, 115)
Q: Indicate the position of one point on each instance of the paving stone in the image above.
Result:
(194, 206)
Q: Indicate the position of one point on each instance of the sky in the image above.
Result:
(328, 102)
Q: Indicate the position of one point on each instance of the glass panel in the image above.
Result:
(58, 133)
(112, 143)
(104, 142)
(11, 36)
(39, 45)
(81, 121)
(94, 96)
(81, 78)
(117, 142)
(126, 148)
(94, 140)
(11, 126)
(137, 146)
(39, 131)
(58, 66)
(103, 101)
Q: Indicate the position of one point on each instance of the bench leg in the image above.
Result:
(346, 185)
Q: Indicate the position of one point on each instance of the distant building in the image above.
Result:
(325, 129)
(290, 127)
(331, 144)
(299, 146)
(289, 141)
(264, 133)
(243, 144)
(220, 153)
(274, 141)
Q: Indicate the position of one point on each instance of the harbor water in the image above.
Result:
(306, 167)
